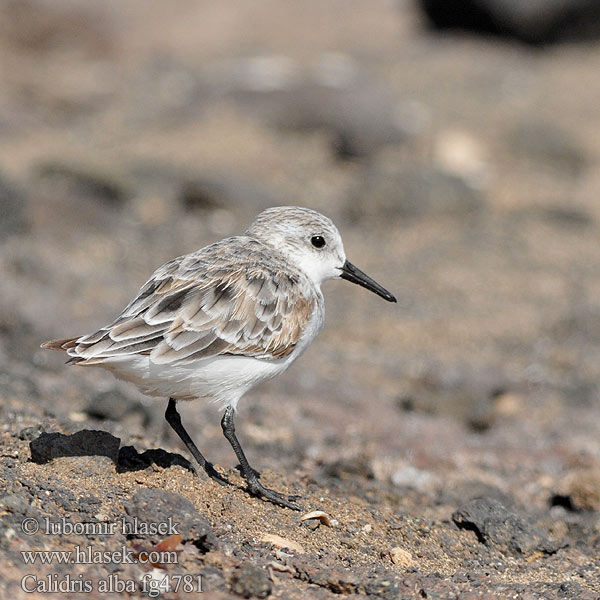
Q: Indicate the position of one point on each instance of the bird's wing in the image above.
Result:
(205, 304)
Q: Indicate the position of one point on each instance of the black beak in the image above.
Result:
(355, 275)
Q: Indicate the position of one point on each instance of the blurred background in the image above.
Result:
(455, 145)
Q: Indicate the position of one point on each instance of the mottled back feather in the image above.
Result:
(209, 303)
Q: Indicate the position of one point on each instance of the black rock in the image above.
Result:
(130, 460)
(498, 527)
(250, 581)
(83, 443)
(533, 22)
(153, 506)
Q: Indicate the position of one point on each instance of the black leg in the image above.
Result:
(174, 420)
(255, 487)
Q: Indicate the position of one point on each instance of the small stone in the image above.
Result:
(281, 542)
(582, 487)
(401, 557)
(250, 581)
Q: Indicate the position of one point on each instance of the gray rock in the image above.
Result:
(17, 504)
(410, 191)
(464, 491)
(498, 527)
(250, 581)
(83, 443)
(154, 506)
(534, 21)
(20, 517)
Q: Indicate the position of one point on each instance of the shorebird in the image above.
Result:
(218, 321)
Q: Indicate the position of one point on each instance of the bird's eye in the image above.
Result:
(318, 241)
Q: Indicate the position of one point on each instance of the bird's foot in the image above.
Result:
(257, 489)
(214, 474)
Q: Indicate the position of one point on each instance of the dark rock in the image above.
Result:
(159, 506)
(383, 588)
(465, 491)
(532, 22)
(410, 191)
(83, 443)
(130, 460)
(51, 495)
(89, 504)
(250, 581)
(498, 527)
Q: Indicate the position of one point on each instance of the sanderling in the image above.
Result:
(216, 322)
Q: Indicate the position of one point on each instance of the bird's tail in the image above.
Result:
(63, 344)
